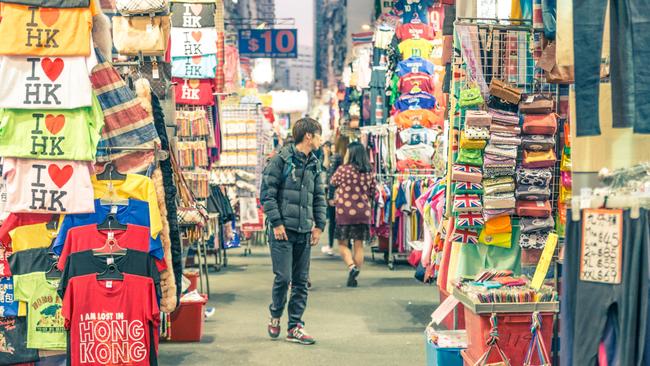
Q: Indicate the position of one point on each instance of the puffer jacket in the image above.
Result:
(293, 191)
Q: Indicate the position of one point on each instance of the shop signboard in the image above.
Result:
(268, 43)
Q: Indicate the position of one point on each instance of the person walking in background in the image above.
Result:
(335, 161)
(355, 188)
(293, 198)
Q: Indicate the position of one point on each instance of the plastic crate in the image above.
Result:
(514, 335)
(437, 356)
(187, 321)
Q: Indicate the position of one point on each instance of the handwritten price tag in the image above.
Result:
(602, 252)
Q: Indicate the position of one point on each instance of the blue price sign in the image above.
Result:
(268, 43)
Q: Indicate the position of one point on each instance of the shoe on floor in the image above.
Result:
(209, 312)
(297, 334)
(274, 328)
(352, 276)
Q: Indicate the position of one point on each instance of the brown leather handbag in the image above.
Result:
(536, 104)
(555, 74)
(505, 91)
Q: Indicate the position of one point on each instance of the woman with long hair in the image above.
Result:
(355, 189)
(338, 151)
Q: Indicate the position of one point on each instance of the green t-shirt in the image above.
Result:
(45, 323)
(65, 134)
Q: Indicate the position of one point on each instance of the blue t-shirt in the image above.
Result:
(198, 67)
(136, 213)
(413, 65)
(415, 101)
(411, 9)
(8, 307)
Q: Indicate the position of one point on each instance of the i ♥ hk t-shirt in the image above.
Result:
(193, 42)
(46, 82)
(46, 31)
(70, 134)
(196, 15)
(103, 317)
(52, 186)
(194, 91)
(195, 67)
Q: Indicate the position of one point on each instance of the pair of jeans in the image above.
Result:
(630, 76)
(291, 259)
(588, 308)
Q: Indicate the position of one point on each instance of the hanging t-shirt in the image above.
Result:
(13, 342)
(8, 306)
(195, 67)
(194, 91)
(90, 302)
(31, 260)
(418, 135)
(51, 134)
(31, 237)
(15, 220)
(45, 324)
(46, 82)
(52, 186)
(383, 37)
(134, 186)
(46, 31)
(413, 65)
(417, 82)
(89, 237)
(193, 42)
(420, 152)
(134, 262)
(415, 101)
(415, 48)
(192, 15)
(415, 31)
(414, 9)
(136, 212)
(424, 117)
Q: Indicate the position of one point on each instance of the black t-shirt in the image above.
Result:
(13, 342)
(134, 262)
(30, 260)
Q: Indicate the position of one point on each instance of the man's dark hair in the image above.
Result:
(358, 157)
(305, 126)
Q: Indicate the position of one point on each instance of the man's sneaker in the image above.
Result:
(274, 328)
(297, 334)
(352, 276)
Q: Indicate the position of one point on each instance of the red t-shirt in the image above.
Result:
(415, 30)
(423, 81)
(107, 325)
(87, 237)
(194, 91)
(13, 221)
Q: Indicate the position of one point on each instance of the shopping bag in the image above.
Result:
(537, 344)
(235, 241)
(493, 345)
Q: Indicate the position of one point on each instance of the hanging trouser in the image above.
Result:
(587, 306)
(629, 74)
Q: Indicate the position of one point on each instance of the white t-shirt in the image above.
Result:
(52, 186)
(418, 135)
(193, 41)
(383, 37)
(419, 152)
(33, 82)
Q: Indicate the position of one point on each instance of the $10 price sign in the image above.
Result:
(268, 43)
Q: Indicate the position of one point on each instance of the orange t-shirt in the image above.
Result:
(426, 117)
(38, 31)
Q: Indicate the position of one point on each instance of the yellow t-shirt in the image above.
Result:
(134, 186)
(416, 47)
(31, 237)
(46, 31)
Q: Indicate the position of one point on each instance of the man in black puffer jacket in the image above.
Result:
(293, 196)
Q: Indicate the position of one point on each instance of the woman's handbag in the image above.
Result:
(472, 157)
(506, 151)
(534, 208)
(501, 240)
(468, 143)
(146, 35)
(538, 142)
(540, 124)
(505, 91)
(534, 177)
(466, 173)
(133, 7)
(554, 73)
(536, 104)
(504, 129)
(478, 118)
(503, 117)
(538, 159)
(498, 225)
(470, 97)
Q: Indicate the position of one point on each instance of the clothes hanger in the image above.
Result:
(53, 273)
(110, 172)
(111, 247)
(111, 223)
(53, 224)
(111, 273)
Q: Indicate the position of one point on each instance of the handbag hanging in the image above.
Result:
(132, 7)
(146, 35)
(505, 91)
(540, 124)
(537, 342)
(536, 104)
(470, 97)
(554, 73)
(493, 345)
